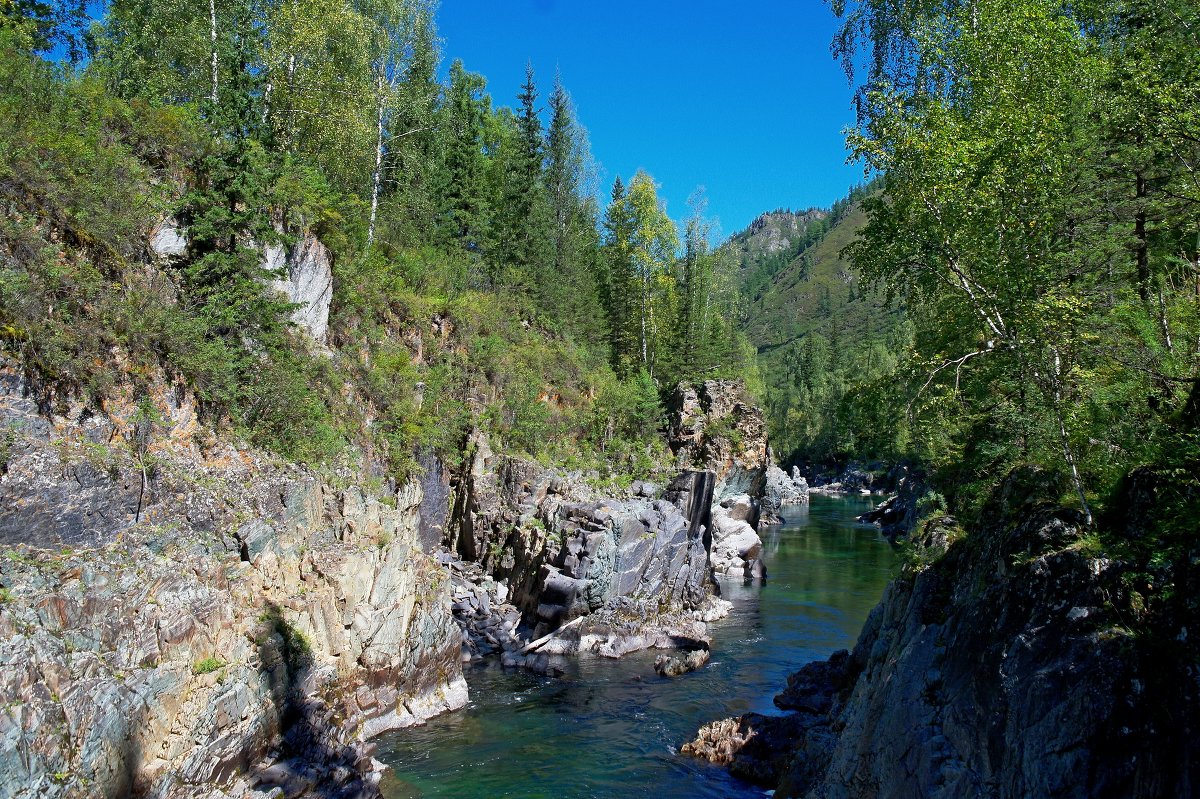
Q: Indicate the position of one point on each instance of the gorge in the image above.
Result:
(362, 437)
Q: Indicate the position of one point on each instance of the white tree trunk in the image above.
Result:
(377, 177)
(212, 30)
(645, 311)
(1068, 454)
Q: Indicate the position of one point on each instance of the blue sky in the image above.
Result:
(743, 98)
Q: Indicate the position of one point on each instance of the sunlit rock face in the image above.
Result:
(229, 621)
(304, 273)
(714, 426)
(301, 271)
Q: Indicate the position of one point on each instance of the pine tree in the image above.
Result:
(462, 193)
(619, 289)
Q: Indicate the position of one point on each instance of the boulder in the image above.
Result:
(782, 490)
(675, 665)
(735, 544)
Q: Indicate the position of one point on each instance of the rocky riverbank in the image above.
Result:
(998, 664)
(611, 575)
(185, 617)
(232, 624)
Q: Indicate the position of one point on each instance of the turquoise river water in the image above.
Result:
(611, 728)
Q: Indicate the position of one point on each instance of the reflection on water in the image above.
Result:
(608, 727)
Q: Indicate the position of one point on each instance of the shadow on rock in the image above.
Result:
(312, 761)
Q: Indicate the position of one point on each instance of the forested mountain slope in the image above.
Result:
(822, 334)
(281, 314)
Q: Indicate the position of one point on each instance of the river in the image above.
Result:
(609, 727)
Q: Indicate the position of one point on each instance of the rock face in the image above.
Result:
(168, 239)
(997, 665)
(305, 276)
(637, 567)
(236, 623)
(714, 426)
(735, 544)
(304, 272)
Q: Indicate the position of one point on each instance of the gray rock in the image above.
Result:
(305, 275)
(168, 239)
(675, 665)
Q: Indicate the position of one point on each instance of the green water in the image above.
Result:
(611, 728)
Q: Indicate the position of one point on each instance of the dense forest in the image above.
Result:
(1039, 216)
(253, 124)
(828, 343)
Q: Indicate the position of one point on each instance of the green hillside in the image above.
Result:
(822, 335)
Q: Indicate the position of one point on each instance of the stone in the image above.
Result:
(163, 656)
(305, 275)
(782, 490)
(714, 426)
(997, 665)
(168, 239)
(675, 665)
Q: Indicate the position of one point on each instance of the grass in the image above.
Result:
(207, 665)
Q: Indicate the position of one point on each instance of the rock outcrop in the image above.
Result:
(303, 272)
(735, 543)
(216, 624)
(997, 665)
(305, 277)
(897, 515)
(782, 490)
(714, 427)
(637, 567)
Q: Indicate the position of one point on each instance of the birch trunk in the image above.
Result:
(212, 31)
(377, 177)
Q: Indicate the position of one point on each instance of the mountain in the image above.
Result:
(820, 332)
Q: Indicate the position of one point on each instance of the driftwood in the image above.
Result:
(532, 645)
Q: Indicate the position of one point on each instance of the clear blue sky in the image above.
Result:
(742, 98)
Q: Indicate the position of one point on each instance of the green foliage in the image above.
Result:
(472, 287)
(207, 665)
(1018, 216)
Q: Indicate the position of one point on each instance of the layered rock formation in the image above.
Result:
(782, 490)
(194, 620)
(715, 427)
(997, 665)
(636, 567)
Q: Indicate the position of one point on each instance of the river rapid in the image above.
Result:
(612, 728)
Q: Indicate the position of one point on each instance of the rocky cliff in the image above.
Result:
(999, 664)
(184, 616)
(625, 572)
(637, 567)
(189, 619)
(716, 428)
